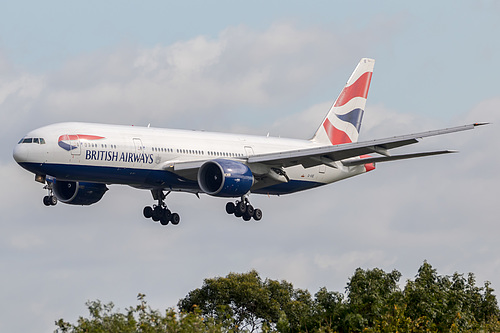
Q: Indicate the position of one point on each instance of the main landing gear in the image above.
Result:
(50, 199)
(244, 210)
(160, 212)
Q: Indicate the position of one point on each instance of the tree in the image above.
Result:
(372, 293)
(104, 319)
(373, 303)
(237, 301)
(329, 309)
(450, 302)
(245, 302)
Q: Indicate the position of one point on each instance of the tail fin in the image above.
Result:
(343, 121)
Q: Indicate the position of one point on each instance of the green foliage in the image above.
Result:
(373, 302)
(244, 302)
(141, 318)
(372, 293)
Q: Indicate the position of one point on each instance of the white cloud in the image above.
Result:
(205, 79)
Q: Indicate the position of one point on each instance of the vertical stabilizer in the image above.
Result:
(343, 122)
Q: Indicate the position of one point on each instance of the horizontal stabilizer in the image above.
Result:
(394, 158)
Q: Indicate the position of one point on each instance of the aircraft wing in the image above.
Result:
(330, 154)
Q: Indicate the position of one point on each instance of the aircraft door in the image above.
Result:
(249, 151)
(139, 152)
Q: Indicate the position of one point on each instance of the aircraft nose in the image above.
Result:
(20, 153)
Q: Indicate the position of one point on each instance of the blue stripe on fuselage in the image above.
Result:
(112, 175)
(144, 178)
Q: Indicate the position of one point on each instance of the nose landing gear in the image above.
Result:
(160, 212)
(244, 210)
(50, 199)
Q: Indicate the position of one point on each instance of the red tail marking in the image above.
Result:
(357, 89)
(335, 135)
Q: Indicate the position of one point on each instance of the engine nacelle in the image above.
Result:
(225, 178)
(78, 193)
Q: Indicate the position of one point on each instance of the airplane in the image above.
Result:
(76, 161)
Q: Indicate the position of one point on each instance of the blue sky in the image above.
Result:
(254, 67)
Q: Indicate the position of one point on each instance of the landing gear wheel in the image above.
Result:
(230, 208)
(148, 212)
(160, 212)
(175, 219)
(157, 213)
(164, 220)
(50, 199)
(244, 209)
(241, 207)
(167, 214)
(257, 214)
(250, 210)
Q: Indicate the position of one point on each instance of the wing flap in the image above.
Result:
(394, 158)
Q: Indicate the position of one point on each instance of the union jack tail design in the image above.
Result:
(343, 121)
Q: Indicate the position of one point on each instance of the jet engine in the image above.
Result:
(225, 178)
(78, 193)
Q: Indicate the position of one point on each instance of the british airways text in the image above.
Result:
(114, 156)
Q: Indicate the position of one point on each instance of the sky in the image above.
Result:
(247, 67)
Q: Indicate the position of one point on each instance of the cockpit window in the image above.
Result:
(40, 141)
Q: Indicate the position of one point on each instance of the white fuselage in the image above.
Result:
(142, 156)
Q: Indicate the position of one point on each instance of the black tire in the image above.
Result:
(175, 219)
(53, 200)
(230, 208)
(246, 217)
(257, 214)
(157, 213)
(250, 210)
(167, 214)
(241, 207)
(148, 212)
(237, 213)
(164, 220)
(46, 200)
